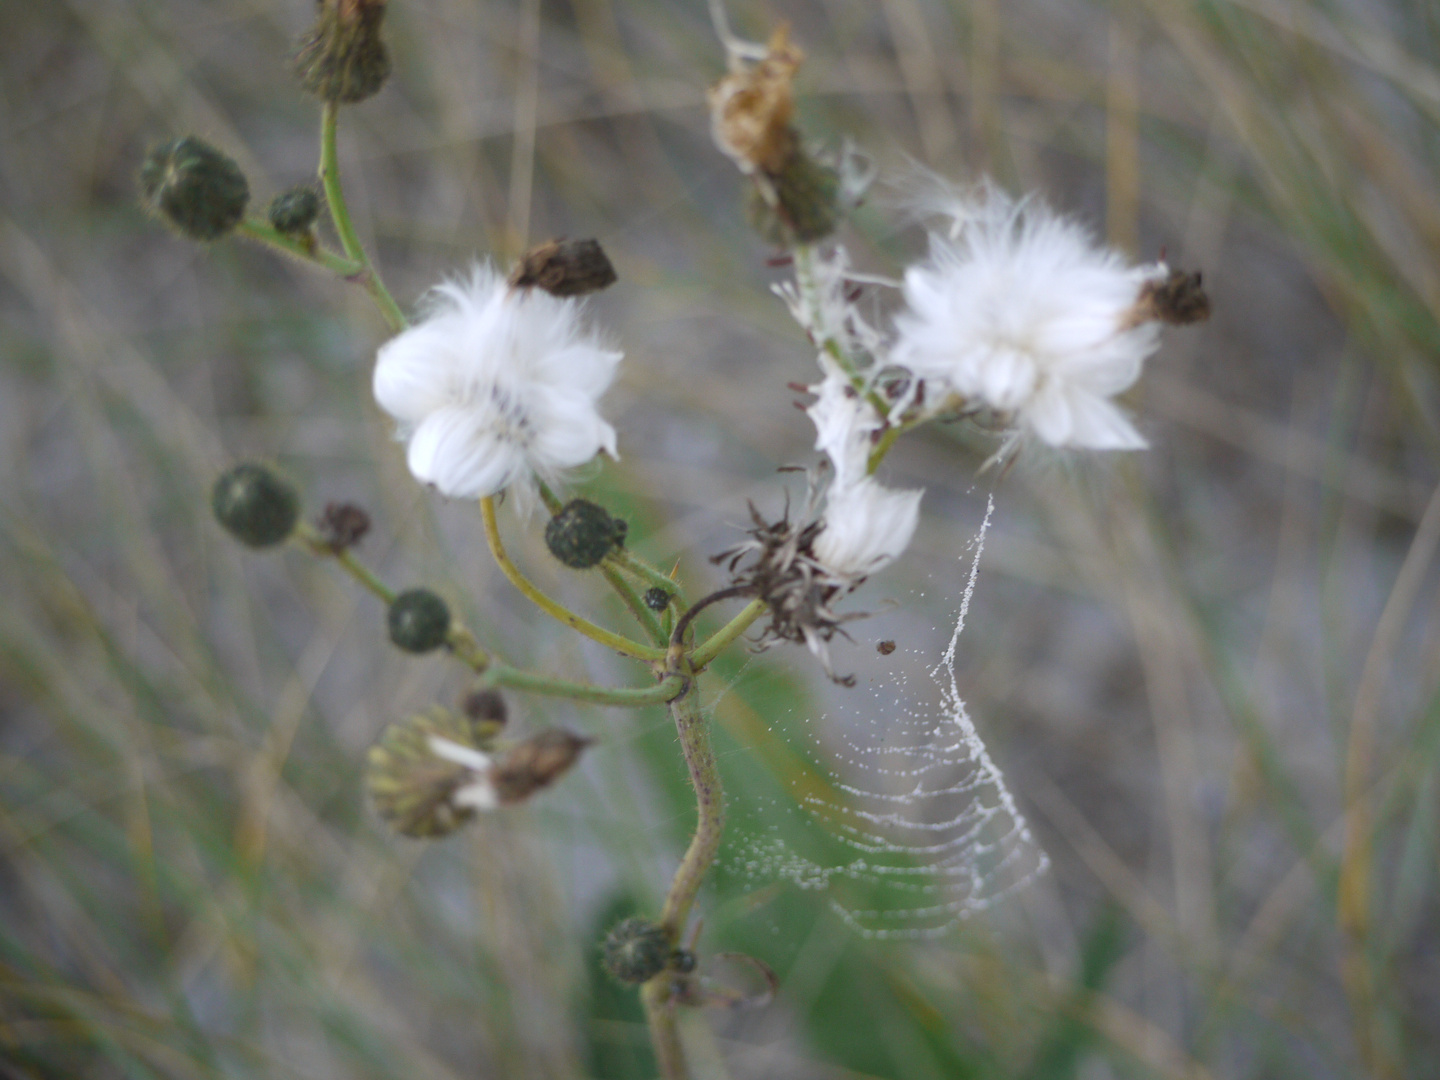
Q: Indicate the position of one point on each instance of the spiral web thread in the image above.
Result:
(934, 828)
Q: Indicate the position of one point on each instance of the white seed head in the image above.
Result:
(866, 527)
(845, 423)
(1017, 310)
(496, 387)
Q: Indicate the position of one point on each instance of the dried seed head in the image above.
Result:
(582, 534)
(413, 788)
(636, 950)
(1177, 299)
(342, 57)
(342, 526)
(294, 212)
(194, 187)
(565, 268)
(751, 109)
(255, 506)
(418, 621)
(537, 762)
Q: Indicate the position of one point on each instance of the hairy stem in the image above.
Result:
(296, 247)
(664, 1027)
(723, 637)
(366, 275)
(609, 639)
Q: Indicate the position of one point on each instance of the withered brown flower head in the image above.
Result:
(751, 109)
(782, 569)
(1178, 299)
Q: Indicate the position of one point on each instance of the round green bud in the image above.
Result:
(294, 211)
(419, 621)
(194, 187)
(256, 507)
(656, 598)
(805, 206)
(342, 57)
(412, 788)
(636, 950)
(582, 534)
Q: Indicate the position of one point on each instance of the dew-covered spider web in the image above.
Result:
(913, 828)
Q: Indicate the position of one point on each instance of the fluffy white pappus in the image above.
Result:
(496, 387)
(1019, 311)
(844, 425)
(866, 527)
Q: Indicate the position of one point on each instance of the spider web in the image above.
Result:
(921, 828)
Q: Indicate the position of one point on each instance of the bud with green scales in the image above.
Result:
(656, 598)
(582, 534)
(342, 58)
(255, 506)
(636, 950)
(295, 211)
(195, 188)
(798, 204)
(418, 621)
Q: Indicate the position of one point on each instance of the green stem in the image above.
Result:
(723, 637)
(366, 275)
(609, 639)
(803, 257)
(297, 247)
(638, 567)
(664, 1024)
(643, 615)
(667, 690)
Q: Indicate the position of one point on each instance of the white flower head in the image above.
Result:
(1017, 310)
(496, 387)
(866, 527)
(845, 425)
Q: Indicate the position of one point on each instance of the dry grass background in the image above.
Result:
(1190, 661)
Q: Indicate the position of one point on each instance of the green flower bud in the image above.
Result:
(419, 621)
(799, 204)
(636, 950)
(656, 598)
(294, 211)
(194, 187)
(255, 506)
(342, 58)
(582, 534)
(412, 788)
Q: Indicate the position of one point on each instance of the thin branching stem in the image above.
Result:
(556, 610)
(297, 248)
(366, 275)
(726, 635)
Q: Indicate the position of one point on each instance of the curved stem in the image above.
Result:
(675, 656)
(297, 247)
(664, 1026)
(513, 678)
(723, 637)
(366, 275)
(710, 803)
(630, 562)
(609, 639)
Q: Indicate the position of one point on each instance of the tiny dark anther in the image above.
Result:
(565, 268)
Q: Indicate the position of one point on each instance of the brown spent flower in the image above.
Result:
(798, 589)
(751, 109)
(342, 57)
(565, 268)
(1177, 299)
(342, 526)
(537, 762)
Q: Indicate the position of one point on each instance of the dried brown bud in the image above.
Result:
(885, 648)
(565, 268)
(342, 526)
(751, 110)
(486, 708)
(535, 763)
(1178, 299)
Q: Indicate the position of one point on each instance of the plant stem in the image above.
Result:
(657, 994)
(804, 260)
(515, 679)
(715, 645)
(609, 639)
(366, 275)
(643, 615)
(632, 563)
(296, 247)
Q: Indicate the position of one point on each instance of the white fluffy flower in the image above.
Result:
(866, 526)
(495, 386)
(1017, 310)
(845, 423)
